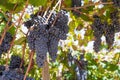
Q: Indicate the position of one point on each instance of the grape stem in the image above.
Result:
(48, 8)
(52, 11)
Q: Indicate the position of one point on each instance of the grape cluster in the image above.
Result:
(44, 37)
(5, 45)
(15, 62)
(14, 72)
(103, 28)
(13, 75)
(76, 3)
(97, 27)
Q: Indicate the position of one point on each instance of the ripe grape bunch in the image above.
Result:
(15, 62)
(14, 72)
(97, 27)
(44, 37)
(108, 30)
(5, 45)
(13, 75)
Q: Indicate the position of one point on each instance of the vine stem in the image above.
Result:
(23, 53)
(12, 43)
(28, 68)
(52, 11)
(45, 70)
(88, 5)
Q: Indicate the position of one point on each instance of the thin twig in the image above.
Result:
(88, 5)
(48, 8)
(52, 11)
(23, 53)
(28, 68)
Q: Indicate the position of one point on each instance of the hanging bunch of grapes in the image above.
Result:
(44, 35)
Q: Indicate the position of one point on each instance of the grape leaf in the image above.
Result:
(38, 2)
(20, 40)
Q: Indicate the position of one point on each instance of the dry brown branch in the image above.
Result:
(30, 62)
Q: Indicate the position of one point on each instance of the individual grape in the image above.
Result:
(41, 50)
(15, 62)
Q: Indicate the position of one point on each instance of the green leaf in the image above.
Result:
(8, 5)
(38, 2)
(85, 17)
(16, 1)
(20, 40)
(1, 15)
(112, 67)
(68, 3)
(12, 30)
